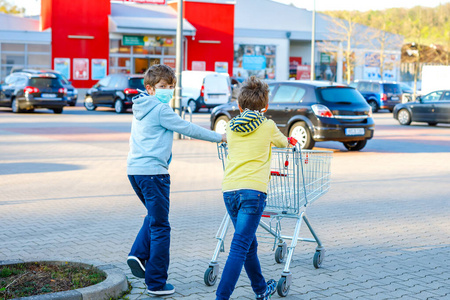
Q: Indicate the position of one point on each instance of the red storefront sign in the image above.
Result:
(303, 72)
(171, 62)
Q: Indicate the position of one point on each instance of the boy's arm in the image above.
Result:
(278, 138)
(172, 121)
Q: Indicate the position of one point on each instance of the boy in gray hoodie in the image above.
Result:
(147, 167)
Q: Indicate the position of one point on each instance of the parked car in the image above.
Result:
(72, 92)
(432, 108)
(115, 91)
(379, 94)
(312, 112)
(205, 89)
(26, 91)
(236, 83)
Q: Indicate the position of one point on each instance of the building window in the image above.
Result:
(254, 60)
(18, 56)
(139, 53)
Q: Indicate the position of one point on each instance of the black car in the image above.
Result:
(379, 94)
(72, 92)
(432, 108)
(312, 112)
(115, 91)
(26, 91)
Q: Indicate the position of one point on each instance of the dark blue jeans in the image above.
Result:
(245, 208)
(153, 240)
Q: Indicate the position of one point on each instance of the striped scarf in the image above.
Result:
(247, 121)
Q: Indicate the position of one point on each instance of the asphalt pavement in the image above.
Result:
(64, 195)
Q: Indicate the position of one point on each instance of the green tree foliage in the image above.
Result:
(7, 8)
(418, 24)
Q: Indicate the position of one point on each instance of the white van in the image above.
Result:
(204, 89)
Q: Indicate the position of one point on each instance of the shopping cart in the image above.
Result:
(298, 178)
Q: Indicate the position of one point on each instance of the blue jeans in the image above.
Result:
(245, 208)
(153, 240)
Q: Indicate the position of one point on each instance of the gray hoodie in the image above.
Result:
(152, 136)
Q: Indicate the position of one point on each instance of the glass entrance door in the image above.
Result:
(142, 64)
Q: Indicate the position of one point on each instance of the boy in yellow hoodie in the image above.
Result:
(250, 137)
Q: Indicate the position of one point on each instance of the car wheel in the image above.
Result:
(193, 105)
(404, 117)
(355, 146)
(220, 125)
(301, 133)
(432, 123)
(15, 106)
(374, 105)
(58, 110)
(118, 106)
(89, 103)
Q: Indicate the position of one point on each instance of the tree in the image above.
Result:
(383, 41)
(345, 32)
(7, 8)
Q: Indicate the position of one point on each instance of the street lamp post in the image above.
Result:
(179, 60)
(313, 42)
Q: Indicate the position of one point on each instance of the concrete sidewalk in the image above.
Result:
(67, 197)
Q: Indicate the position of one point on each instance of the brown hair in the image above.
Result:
(254, 94)
(156, 73)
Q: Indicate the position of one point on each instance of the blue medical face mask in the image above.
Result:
(164, 95)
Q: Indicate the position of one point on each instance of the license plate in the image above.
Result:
(48, 95)
(394, 98)
(354, 131)
(214, 96)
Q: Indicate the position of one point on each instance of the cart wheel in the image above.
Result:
(318, 259)
(282, 287)
(209, 277)
(279, 255)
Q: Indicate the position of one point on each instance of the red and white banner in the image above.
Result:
(80, 69)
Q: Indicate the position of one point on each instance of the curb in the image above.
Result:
(113, 286)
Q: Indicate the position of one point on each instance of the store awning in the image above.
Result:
(138, 18)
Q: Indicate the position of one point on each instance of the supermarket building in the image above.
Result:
(86, 40)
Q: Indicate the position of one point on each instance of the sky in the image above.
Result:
(33, 6)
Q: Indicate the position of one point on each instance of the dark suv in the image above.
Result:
(26, 91)
(114, 91)
(72, 92)
(379, 94)
(312, 112)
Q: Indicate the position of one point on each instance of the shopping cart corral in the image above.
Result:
(298, 178)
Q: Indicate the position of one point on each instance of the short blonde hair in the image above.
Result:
(254, 94)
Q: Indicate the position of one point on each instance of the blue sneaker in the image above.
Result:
(270, 290)
(168, 289)
(136, 266)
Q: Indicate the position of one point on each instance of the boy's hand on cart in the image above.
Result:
(292, 141)
(224, 138)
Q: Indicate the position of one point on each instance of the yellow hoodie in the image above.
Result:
(250, 137)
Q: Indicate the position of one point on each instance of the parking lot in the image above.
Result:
(385, 224)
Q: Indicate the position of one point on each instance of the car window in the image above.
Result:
(63, 79)
(271, 88)
(20, 81)
(104, 82)
(446, 96)
(375, 87)
(44, 82)
(365, 86)
(390, 88)
(288, 93)
(353, 84)
(113, 82)
(137, 83)
(341, 96)
(434, 96)
(10, 79)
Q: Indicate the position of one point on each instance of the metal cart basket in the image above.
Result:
(298, 178)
